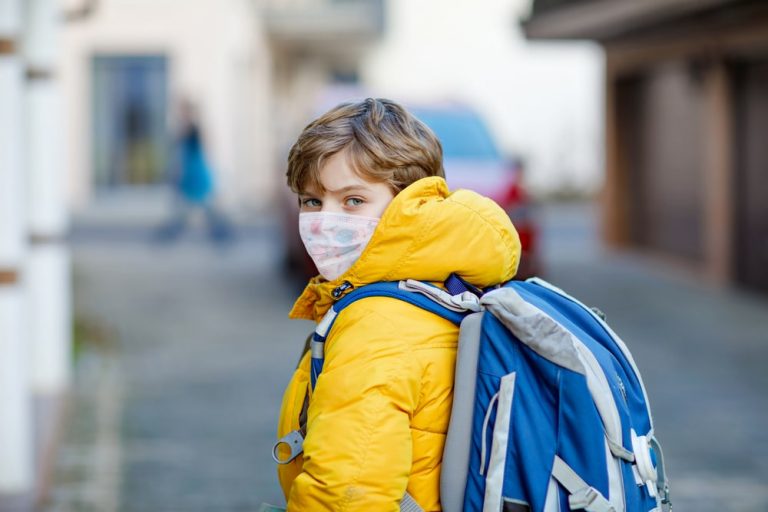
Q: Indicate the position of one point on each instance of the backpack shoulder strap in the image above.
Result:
(407, 291)
(422, 295)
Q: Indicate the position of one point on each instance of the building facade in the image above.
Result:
(250, 67)
(686, 109)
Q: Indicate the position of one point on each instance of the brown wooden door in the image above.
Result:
(751, 98)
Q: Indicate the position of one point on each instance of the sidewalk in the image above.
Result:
(180, 414)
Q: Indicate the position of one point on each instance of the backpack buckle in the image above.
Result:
(337, 292)
(294, 441)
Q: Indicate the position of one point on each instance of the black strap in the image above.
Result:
(303, 414)
(307, 343)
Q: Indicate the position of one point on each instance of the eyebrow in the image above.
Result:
(348, 188)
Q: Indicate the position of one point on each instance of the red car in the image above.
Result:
(472, 161)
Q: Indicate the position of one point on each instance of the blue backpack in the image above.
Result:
(549, 411)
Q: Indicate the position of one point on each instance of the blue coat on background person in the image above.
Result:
(195, 182)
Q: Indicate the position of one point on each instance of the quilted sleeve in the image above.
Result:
(293, 399)
(358, 449)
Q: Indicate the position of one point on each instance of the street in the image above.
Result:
(175, 408)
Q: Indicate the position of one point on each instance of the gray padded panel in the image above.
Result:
(455, 465)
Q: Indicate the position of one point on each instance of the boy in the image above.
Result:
(374, 207)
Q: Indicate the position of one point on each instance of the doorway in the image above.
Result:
(751, 98)
(129, 132)
(661, 118)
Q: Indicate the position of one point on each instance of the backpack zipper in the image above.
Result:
(623, 389)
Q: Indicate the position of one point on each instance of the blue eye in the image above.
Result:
(311, 202)
(354, 201)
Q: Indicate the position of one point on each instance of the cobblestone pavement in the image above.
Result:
(179, 414)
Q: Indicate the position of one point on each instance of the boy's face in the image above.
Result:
(344, 191)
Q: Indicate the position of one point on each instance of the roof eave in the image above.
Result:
(608, 19)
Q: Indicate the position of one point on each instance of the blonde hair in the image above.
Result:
(383, 141)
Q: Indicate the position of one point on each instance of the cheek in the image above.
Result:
(382, 203)
(380, 209)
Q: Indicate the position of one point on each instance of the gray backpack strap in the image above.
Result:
(455, 465)
(408, 504)
(662, 483)
(294, 440)
(582, 496)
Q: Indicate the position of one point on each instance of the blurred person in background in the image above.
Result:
(193, 182)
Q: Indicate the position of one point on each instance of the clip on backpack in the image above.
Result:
(549, 411)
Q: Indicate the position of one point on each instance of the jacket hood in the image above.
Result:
(427, 233)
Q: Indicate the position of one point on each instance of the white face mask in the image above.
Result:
(335, 241)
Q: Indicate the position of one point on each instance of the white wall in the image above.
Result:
(543, 100)
(216, 55)
(16, 450)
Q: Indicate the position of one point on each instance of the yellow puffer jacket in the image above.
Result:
(378, 415)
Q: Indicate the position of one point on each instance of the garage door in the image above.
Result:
(661, 114)
(751, 97)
